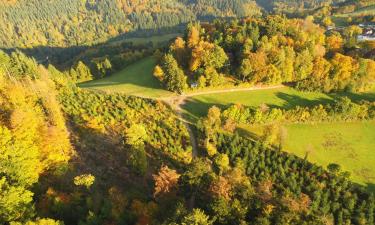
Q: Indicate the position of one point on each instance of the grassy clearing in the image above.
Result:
(286, 97)
(350, 145)
(342, 19)
(136, 79)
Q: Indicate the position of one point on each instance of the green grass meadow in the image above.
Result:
(368, 10)
(351, 145)
(136, 79)
(341, 19)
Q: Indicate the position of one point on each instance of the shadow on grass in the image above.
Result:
(247, 133)
(356, 97)
(195, 109)
(291, 101)
(370, 187)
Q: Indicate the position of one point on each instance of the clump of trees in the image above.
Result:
(271, 50)
(194, 61)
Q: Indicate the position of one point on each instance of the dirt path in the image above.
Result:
(176, 103)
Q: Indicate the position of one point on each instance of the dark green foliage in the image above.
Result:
(174, 77)
(137, 160)
(330, 193)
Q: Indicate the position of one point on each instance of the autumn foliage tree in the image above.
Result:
(33, 135)
(165, 181)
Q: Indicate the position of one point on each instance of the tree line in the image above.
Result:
(342, 110)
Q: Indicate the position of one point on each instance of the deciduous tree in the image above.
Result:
(165, 180)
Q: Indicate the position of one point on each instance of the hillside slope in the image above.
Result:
(74, 22)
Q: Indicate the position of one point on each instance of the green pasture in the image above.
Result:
(136, 79)
(351, 145)
(348, 144)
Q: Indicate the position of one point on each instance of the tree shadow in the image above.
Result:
(247, 133)
(195, 109)
(291, 100)
(355, 97)
(370, 187)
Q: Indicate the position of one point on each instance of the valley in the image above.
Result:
(187, 112)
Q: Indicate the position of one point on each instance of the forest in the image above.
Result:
(26, 24)
(125, 121)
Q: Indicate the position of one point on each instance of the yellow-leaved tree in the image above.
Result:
(33, 135)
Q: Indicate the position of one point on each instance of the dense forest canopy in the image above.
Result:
(268, 50)
(75, 22)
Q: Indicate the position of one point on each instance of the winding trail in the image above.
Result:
(176, 103)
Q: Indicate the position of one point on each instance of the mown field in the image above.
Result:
(136, 79)
(351, 145)
(368, 10)
(342, 19)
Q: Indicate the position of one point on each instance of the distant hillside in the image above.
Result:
(61, 23)
(356, 7)
(303, 6)
(292, 6)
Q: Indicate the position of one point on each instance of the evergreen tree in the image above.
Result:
(174, 77)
